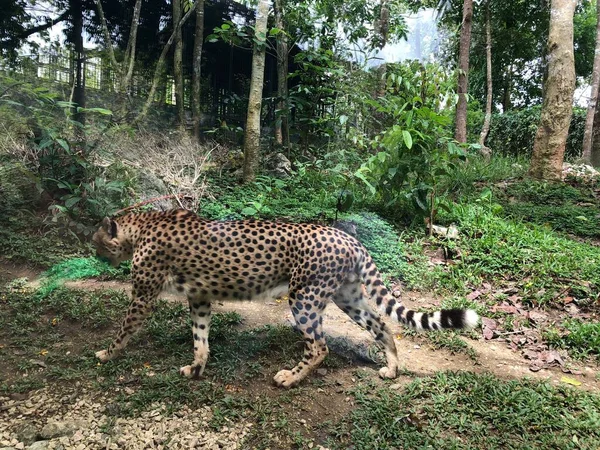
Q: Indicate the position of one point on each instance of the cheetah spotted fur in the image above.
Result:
(213, 260)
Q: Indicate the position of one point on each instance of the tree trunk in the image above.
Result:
(460, 134)
(506, 104)
(178, 64)
(79, 89)
(557, 107)
(160, 65)
(125, 70)
(595, 150)
(282, 130)
(593, 103)
(252, 134)
(488, 100)
(197, 64)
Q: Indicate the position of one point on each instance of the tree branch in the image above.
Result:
(106, 33)
(26, 33)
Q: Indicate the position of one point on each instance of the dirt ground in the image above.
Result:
(77, 416)
(493, 356)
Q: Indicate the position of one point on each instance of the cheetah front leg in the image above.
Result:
(139, 309)
(200, 312)
(309, 321)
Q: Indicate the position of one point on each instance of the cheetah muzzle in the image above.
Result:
(214, 260)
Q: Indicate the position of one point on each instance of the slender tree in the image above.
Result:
(252, 132)
(489, 93)
(197, 66)
(124, 69)
(557, 107)
(79, 76)
(178, 63)
(590, 122)
(282, 130)
(460, 133)
(160, 65)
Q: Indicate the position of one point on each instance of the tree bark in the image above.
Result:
(160, 64)
(460, 133)
(488, 100)
(79, 89)
(593, 103)
(178, 64)
(557, 106)
(197, 66)
(252, 134)
(282, 130)
(125, 69)
(595, 150)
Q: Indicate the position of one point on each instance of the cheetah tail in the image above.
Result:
(446, 318)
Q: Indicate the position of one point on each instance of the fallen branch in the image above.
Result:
(151, 200)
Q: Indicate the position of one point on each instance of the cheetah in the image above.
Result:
(213, 260)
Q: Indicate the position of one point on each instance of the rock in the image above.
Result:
(346, 226)
(28, 434)
(150, 186)
(59, 429)
(39, 445)
(279, 166)
(322, 372)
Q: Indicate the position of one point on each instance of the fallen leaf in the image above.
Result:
(489, 325)
(504, 308)
(538, 316)
(473, 295)
(569, 380)
(147, 365)
(55, 321)
(567, 300)
(43, 352)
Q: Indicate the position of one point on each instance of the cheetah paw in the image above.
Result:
(103, 355)
(386, 372)
(191, 371)
(285, 379)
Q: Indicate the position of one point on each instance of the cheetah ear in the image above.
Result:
(110, 226)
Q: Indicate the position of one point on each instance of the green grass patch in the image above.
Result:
(77, 269)
(464, 410)
(563, 207)
(31, 246)
(580, 338)
(541, 263)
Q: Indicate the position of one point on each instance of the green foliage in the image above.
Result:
(464, 410)
(61, 155)
(416, 153)
(381, 240)
(513, 133)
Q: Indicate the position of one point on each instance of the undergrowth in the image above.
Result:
(542, 264)
(465, 410)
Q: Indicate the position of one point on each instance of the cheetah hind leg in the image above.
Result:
(351, 298)
(310, 323)
(200, 312)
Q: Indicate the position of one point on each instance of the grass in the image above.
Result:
(582, 339)
(465, 410)
(563, 207)
(542, 264)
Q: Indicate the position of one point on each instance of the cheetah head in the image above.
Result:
(111, 243)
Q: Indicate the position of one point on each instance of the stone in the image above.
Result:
(27, 434)
(39, 445)
(279, 166)
(150, 186)
(59, 429)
